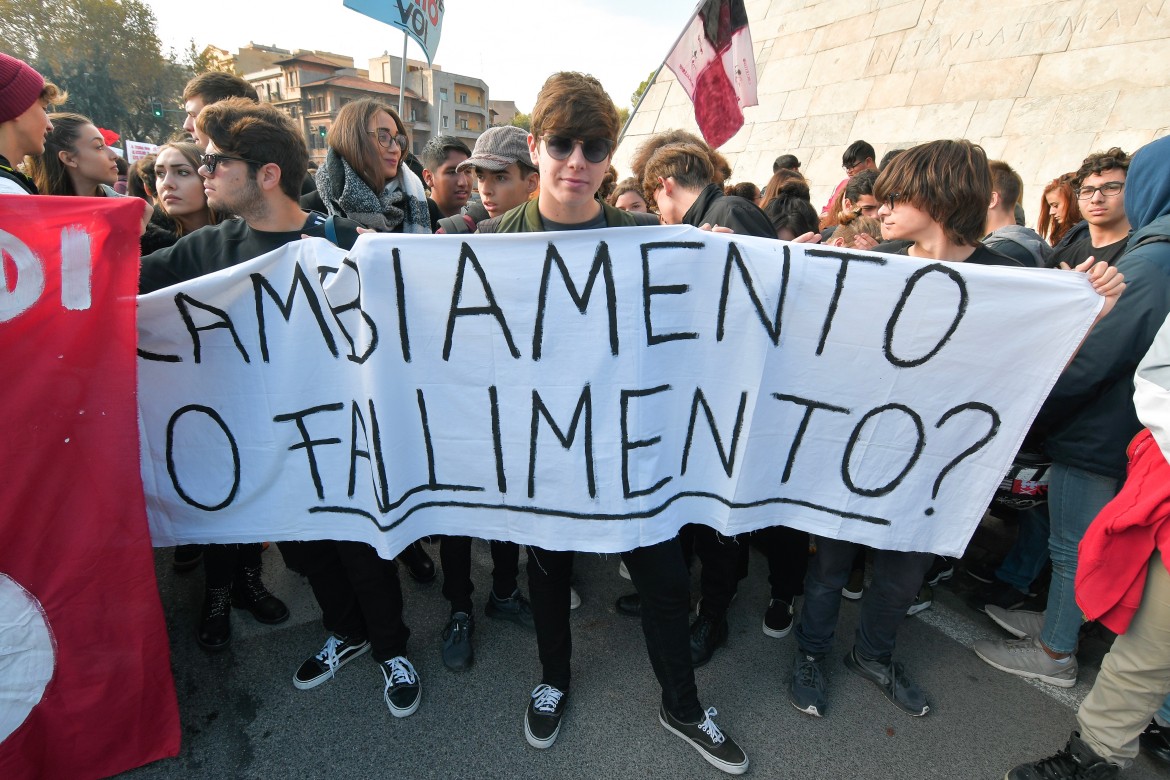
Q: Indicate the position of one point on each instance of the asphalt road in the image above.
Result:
(242, 717)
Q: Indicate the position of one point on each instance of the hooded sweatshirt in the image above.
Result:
(1089, 417)
(1021, 243)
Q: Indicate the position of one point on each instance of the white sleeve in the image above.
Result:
(1152, 389)
(9, 187)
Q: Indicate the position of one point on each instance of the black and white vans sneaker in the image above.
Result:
(403, 689)
(337, 652)
(542, 721)
(716, 747)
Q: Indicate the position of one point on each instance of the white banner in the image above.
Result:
(136, 150)
(592, 390)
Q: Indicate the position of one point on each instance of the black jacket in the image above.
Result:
(729, 211)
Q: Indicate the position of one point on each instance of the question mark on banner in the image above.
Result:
(993, 429)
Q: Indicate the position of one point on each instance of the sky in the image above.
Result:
(511, 45)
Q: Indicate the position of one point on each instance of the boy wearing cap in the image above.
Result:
(501, 163)
(25, 99)
(503, 168)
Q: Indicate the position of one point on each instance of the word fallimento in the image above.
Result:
(592, 390)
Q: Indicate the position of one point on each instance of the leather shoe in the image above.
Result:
(629, 605)
(418, 563)
(706, 635)
(214, 632)
(248, 592)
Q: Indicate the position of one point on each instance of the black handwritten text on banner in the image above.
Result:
(592, 390)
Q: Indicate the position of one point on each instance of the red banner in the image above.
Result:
(85, 679)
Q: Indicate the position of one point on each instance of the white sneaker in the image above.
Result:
(1020, 623)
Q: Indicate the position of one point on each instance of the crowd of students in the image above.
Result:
(236, 183)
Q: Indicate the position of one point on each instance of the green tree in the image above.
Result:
(522, 120)
(106, 54)
(645, 85)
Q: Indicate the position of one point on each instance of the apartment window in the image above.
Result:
(442, 94)
(463, 124)
(445, 122)
(463, 98)
(413, 115)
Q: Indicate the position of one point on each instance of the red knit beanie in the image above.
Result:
(20, 87)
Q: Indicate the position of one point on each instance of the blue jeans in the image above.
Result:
(1164, 712)
(1075, 496)
(897, 577)
(1026, 559)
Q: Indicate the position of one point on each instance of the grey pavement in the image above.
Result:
(242, 717)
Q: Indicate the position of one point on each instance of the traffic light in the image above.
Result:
(156, 108)
(322, 131)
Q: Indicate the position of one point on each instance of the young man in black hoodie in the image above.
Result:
(574, 131)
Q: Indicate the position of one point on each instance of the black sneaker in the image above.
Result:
(719, 749)
(998, 594)
(515, 608)
(983, 572)
(458, 655)
(706, 635)
(1155, 740)
(922, 600)
(187, 557)
(337, 652)
(542, 721)
(807, 689)
(1076, 762)
(778, 618)
(417, 563)
(891, 678)
(403, 689)
(943, 568)
(629, 605)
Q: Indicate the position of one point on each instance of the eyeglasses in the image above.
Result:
(893, 199)
(210, 161)
(1109, 189)
(594, 149)
(385, 139)
(867, 211)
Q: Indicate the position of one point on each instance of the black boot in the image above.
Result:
(248, 592)
(215, 629)
(418, 563)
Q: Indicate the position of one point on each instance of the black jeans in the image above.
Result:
(787, 552)
(660, 575)
(897, 577)
(221, 561)
(721, 559)
(455, 558)
(358, 592)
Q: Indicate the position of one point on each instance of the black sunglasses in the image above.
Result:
(594, 149)
(210, 161)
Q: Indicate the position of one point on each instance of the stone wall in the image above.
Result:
(1038, 84)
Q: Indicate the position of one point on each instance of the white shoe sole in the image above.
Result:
(540, 744)
(731, 769)
(1059, 682)
(403, 712)
(324, 678)
(777, 634)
